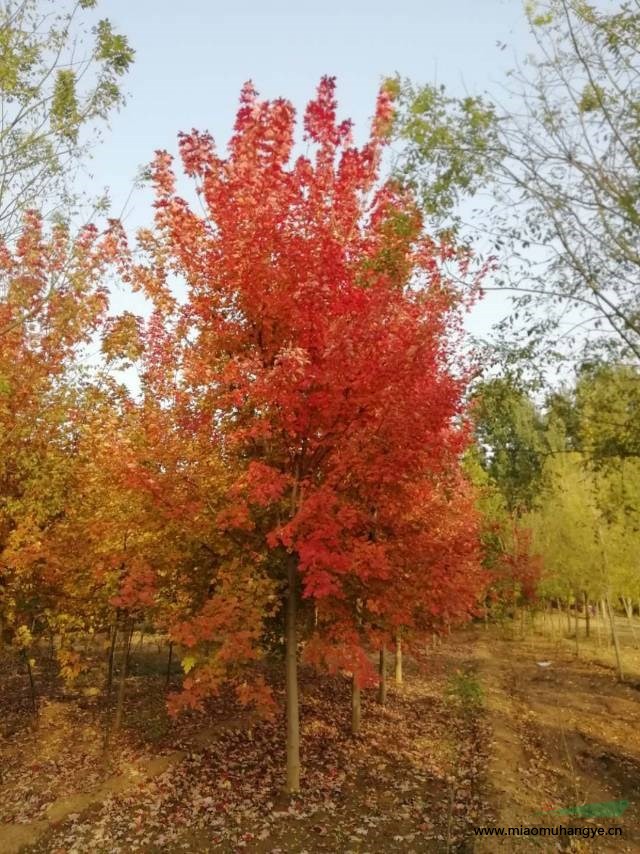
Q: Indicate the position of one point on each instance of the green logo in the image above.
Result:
(610, 809)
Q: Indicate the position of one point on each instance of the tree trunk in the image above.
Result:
(628, 609)
(382, 672)
(123, 679)
(587, 615)
(603, 610)
(356, 708)
(108, 687)
(32, 687)
(112, 647)
(576, 627)
(614, 638)
(399, 675)
(169, 657)
(291, 672)
(568, 615)
(547, 618)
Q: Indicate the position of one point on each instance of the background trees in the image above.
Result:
(60, 79)
(556, 153)
(55, 300)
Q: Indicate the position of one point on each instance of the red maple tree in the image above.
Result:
(316, 352)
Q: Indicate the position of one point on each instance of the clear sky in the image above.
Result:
(192, 57)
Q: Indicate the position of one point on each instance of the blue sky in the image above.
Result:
(193, 56)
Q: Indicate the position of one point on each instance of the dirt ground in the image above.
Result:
(563, 735)
(481, 735)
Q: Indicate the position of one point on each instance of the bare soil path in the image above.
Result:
(563, 735)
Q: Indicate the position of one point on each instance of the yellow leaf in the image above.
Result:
(188, 663)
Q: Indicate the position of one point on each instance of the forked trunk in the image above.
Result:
(291, 674)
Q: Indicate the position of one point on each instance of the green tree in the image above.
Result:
(560, 162)
(607, 407)
(60, 80)
(510, 434)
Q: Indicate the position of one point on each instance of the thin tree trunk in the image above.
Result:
(291, 672)
(123, 680)
(356, 707)
(612, 616)
(170, 656)
(598, 627)
(399, 674)
(108, 687)
(32, 687)
(628, 607)
(587, 615)
(382, 672)
(576, 627)
(568, 615)
(614, 638)
(603, 611)
(112, 647)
